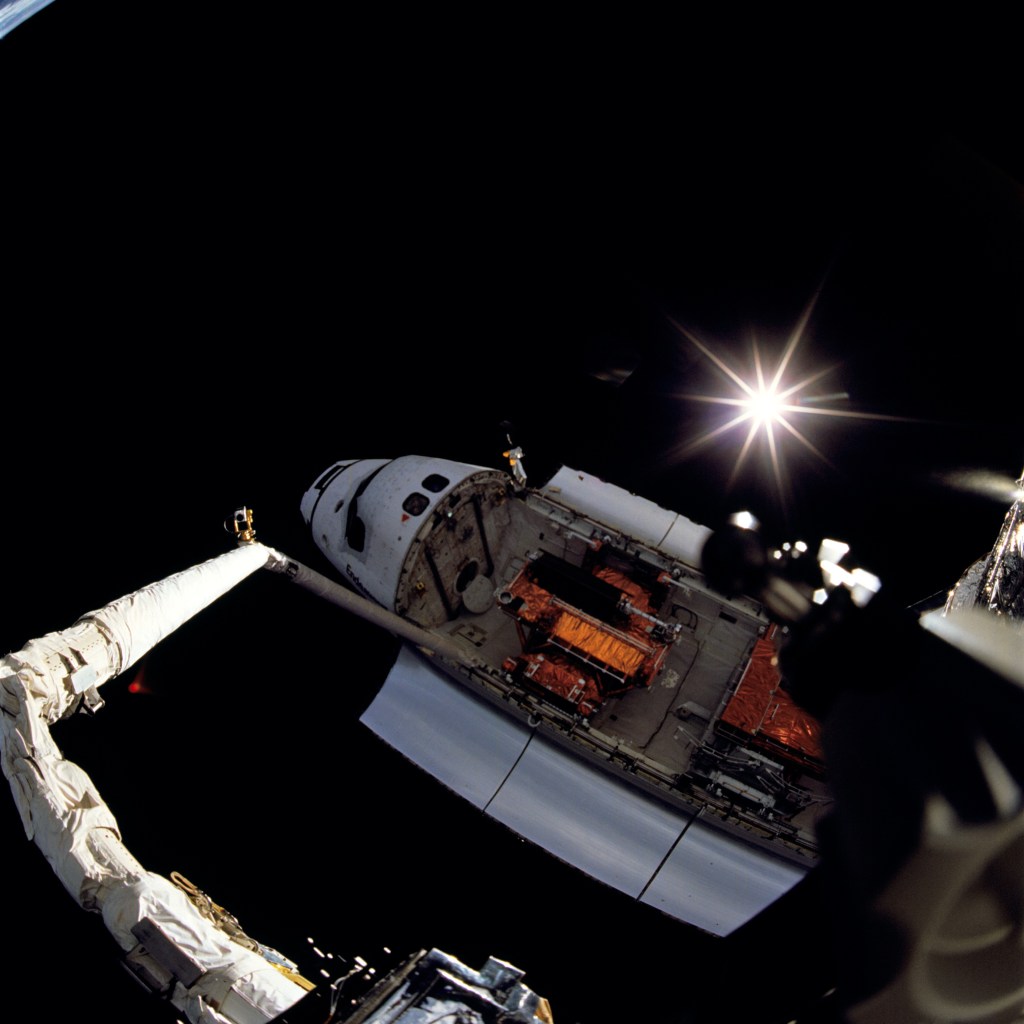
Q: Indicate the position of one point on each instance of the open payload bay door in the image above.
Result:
(660, 855)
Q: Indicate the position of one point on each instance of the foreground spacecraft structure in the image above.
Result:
(168, 942)
(577, 679)
(940, 871)
(995, 583)
(924, 848)
(178, 943)
(432, 986)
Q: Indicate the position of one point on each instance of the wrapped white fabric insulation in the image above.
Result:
(206, 975)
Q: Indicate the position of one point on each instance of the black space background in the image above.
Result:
(239, 249)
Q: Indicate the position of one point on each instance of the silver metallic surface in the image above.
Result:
(587, 818)
(997, 583)
(718, 882)
(459, 740)
(610, 830)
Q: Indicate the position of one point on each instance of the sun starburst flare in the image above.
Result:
(769, 405)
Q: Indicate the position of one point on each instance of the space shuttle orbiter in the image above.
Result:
(578, 680)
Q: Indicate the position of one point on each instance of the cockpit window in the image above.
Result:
(355, 528)
(327, 477)
(435, 483)
(415, 503)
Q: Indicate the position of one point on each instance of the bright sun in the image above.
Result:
(769, 404)
(765, 406)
